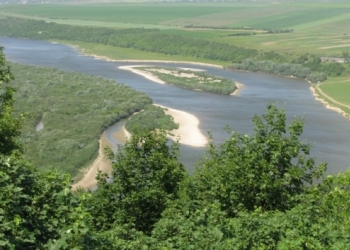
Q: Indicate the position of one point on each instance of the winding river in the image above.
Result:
(328, 131)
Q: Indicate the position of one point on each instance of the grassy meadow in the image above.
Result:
(319, 28)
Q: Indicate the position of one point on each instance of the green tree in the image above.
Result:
(269, 170)
(146, 176)
(37, 209)
(9, 126)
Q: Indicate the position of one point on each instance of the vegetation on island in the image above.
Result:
(74, 108)
(151, 118)
(194, 80)
(252, 192)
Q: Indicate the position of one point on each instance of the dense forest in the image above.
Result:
(252, 192)
(152, 40)
(74, 109)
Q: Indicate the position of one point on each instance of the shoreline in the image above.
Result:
(188, 132)
(145, 74)
(90, 172)
(326, 104)
(240, 86)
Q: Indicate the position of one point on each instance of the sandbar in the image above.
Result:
(240, 86)
(145, 74)
(188, 132)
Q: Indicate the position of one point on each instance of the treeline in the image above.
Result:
(74, 108)
(314, 63)
(239, 34)
(285, 69)
(151, 118)
(268, 31)
(142, 39)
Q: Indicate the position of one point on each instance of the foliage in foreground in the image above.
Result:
(153, 204)
(36, 207)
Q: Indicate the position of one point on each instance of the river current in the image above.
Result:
(328, 131)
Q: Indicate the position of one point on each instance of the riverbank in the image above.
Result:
(239, 86)
(101, 163)
(145, 74)
(326, 104)
(188, 132)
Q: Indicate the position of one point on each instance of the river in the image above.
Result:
(328, 131)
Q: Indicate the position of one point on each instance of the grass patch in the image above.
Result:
(337, 90)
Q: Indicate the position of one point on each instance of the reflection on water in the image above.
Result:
(327, 130)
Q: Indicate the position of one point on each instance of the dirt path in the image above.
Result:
(313, 89)
(328, 97)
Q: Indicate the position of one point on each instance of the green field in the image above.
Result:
(318, 27)
(336, 92)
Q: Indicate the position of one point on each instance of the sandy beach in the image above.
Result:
(147, 75)
(101, 163)
(240, 86)
(188, 132)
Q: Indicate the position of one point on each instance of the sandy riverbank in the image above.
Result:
(101, 163)
(147, 75)
(188, 132)
(326, 104)
(240, 86)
